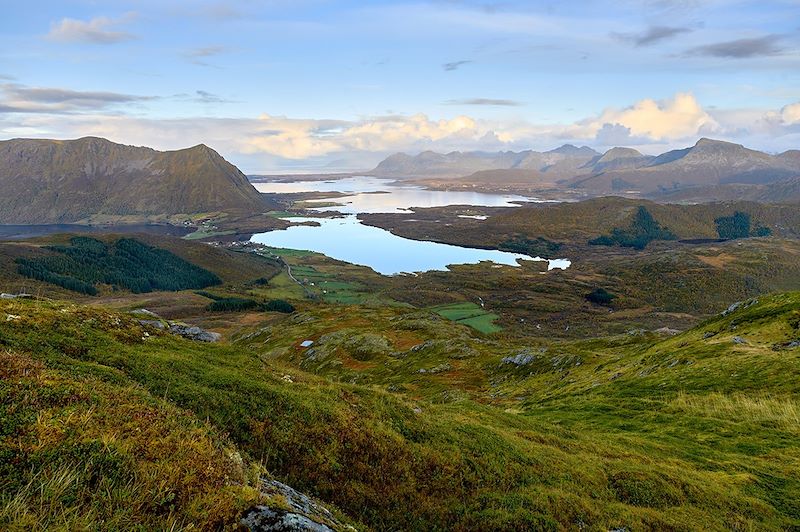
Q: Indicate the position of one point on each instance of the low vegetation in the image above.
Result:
(84, 447)
(238, 304)
(471, 315)
(417, 408)
(533, 247)
(635, 431)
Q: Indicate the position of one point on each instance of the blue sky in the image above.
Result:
(279, 85)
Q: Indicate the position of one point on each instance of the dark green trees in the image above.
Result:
(642, 230)
(127, 264)
(279, 305)
(600, 296)
(738, 226)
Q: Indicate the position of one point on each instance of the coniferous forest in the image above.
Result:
(127, 263)
(642, 230)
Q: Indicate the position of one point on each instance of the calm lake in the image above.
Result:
(349, 240)
(374, 195)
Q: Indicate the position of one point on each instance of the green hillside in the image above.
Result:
(636, 431)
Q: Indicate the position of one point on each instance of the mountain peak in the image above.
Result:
(90, 138)
(705, 142)
(201, 149)
(620, 153)
(571, 149)
(72, 180)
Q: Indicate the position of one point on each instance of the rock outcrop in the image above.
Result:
(191, 332)
(295, 512)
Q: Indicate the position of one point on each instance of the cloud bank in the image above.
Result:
(740, 48)
(18, 98)
(676, 118)
(270, 142)
(651, 35)
(97, 30)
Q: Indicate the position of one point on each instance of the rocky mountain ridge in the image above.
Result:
(62, 181)
(620, 170)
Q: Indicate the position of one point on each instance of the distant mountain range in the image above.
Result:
(55, 181)
(707, 166)
(566, 159)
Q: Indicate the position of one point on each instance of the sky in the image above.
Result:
(287, 86)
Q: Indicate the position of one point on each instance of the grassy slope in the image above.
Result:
(469, 314)
(84, 447)
(603, 433)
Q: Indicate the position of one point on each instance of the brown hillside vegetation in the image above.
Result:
(592, 217)
(575, 223)
(54, 181)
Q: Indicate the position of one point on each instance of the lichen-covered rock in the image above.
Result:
(420, 347)
(15, 296)
(194, 333)
(441, 368)
(156, 324)
(521, 359)
(295, 512)
(667, 331)
(264, 518)
(739, 305)
(145, 312)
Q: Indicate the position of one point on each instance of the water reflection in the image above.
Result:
(374, 195)
(349, 240)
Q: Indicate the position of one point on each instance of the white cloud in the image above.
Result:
(275, 142)
(199, 56)
(98, 30)
(676, 118)
(791, 114)
(299, 139)
(292, 138)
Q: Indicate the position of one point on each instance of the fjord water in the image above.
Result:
(374, 195)
(346, 238)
